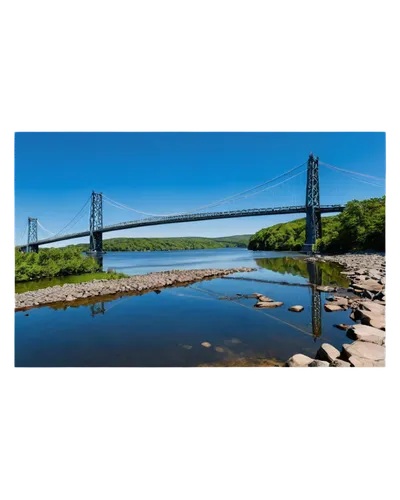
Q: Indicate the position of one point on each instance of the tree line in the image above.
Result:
(51, 262)
(360, 227)
(160, 244)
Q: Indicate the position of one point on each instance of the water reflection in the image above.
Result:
(98, 308)
(317, 273)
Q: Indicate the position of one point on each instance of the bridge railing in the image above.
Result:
(192, 217)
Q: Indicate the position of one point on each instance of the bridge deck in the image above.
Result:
(155, 221)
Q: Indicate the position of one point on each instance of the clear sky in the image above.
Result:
(174, 172)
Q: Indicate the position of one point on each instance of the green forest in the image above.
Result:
(153, 244)
(50, 262)
(361, 226)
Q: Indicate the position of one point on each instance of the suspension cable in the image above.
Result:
(73, 219)
(351, 172)
(345, 172)
(235, 197)
(47, 231)
(21, 239)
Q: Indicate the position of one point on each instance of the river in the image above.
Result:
(168, 328)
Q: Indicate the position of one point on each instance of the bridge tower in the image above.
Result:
(96, 224)
(32, 235)
(313, 215)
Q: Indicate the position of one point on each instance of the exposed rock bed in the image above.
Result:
(154, 281)
(367, 300)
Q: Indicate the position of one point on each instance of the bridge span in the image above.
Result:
(312, 210)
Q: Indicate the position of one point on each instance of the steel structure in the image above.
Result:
(312, 209)
(313, 214)
(32, 245)
(256, 212)
(96, 224)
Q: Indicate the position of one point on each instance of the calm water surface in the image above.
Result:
(167, 329)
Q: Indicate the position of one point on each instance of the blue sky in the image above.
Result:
(173, 172)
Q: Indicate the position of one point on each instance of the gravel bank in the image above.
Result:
(367, 327)
(142, 283)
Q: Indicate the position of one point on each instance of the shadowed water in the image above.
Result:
(167, 329)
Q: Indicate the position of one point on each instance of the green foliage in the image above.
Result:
(51, 262)
(320, 273)
(154, 244)
(360, 227)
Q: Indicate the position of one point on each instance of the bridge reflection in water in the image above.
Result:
(317, 273)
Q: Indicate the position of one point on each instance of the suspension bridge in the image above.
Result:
(312, 208)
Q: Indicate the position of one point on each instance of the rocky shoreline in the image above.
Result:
(136, 284)
(367, 300)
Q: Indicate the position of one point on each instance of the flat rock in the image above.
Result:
(366, 351)
(332, 308)
(326, 288)
(318, 363)
(268, 304)
(339, 363)
(372, 314)
(365, 363)
(366, 333)
(296, 308)
(327, 353)
(263, 298)
(341, 301)
(370, 285)
(342, 326)
(299, 361)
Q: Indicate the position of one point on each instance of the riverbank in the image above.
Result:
(367, 301)
(103, 287)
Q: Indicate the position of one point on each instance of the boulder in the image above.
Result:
(339, 363)
(268, 304)
(296, 308)
(360, 362)
(327, 353)
(318, 363)
(372, 314)
(263, 298)
(298, 361)
(206, 344)
(366, 351)
(366, 334)
(332, 308)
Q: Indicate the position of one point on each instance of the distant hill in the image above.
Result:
(177, 243)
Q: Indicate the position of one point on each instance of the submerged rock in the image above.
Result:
(263, 298)
(342, 326)
(296, 308)
(206, 344)
(268, 304)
